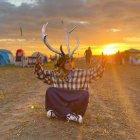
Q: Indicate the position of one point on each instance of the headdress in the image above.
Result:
(61, 53)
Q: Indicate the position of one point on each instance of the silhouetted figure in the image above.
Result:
(118, 58)
(88, 55)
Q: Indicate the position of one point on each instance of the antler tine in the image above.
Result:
(70, 53)
(61, 49)
(43, 30)
(44, 40)
(67, 42)
(72, 29)
(75, 47)
(67, 38)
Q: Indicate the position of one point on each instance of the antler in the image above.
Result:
(44, 40)
(67, 38)
(62, 50)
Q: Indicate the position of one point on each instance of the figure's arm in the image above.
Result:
(97, 72)
(41, 73)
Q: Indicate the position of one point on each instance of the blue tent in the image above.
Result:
(6, 57)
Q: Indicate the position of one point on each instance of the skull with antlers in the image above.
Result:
(67, 43)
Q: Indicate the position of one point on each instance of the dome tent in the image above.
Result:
(43, 56)
(6, 57)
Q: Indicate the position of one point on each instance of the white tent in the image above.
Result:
(43, 56)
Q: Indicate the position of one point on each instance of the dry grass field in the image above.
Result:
(113, 112)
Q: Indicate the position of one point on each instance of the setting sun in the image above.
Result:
(109, 49)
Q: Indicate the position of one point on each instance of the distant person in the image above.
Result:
(118, 57)
(88, 55)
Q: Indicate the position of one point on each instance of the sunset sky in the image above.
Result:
(104, 25)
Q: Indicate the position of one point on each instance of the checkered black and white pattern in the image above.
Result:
(79, 81)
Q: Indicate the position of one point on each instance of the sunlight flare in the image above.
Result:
(109, 49)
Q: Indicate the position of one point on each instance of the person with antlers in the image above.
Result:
(68, 96)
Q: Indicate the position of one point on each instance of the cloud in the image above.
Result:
(18, 3)
(133, 39)
(114, 30)
(93, 17)
(12, 40)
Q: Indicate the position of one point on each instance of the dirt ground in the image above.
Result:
(113, 112)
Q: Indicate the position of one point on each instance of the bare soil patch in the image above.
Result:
(113, 112)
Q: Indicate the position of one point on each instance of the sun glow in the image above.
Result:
(109, 49)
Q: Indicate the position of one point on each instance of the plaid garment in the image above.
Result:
(79, 80)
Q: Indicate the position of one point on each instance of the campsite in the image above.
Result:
(112, 114)
(69, 70)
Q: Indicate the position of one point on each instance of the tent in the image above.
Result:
(19, 54)
(6, 57)
(43, 56)
(133, 56)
